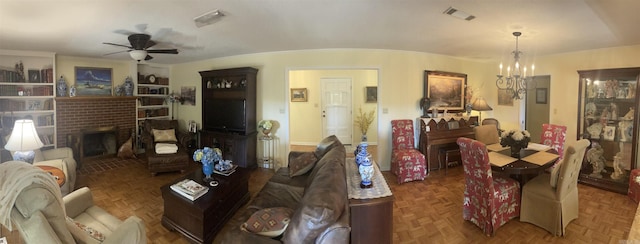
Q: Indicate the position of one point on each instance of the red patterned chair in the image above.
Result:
(407, 163)
(553, 136)
(489, 202)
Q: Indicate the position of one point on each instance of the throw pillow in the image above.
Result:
(126, 150)
(90, 231)
(302, 164)
(270, 222)
(164, 135)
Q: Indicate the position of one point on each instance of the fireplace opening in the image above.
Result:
(98, 142)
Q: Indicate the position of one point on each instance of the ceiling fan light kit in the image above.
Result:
(208, 18)
(138, 54)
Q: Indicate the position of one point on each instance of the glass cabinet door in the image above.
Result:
(607, 117)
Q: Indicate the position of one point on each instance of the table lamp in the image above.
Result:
(480, 105)
(23, 140)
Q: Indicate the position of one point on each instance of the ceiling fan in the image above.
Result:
(139, 49)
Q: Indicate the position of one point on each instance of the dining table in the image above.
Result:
(533, 160)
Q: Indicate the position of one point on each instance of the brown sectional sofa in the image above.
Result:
(318, 197)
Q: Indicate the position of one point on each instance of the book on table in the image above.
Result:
(189, 189)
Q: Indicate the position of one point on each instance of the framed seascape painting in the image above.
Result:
(298, 94)
(446, 90)
(93, 81)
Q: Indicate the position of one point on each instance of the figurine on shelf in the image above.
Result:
(629, 115)
(631, 93)
(612, 87)
(592, 90)
(605, 116)
(595, 130)
(590, 110)
(618, 172)
(613, 109)
(595, 156)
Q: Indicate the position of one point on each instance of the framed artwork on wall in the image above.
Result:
(445, 90)
(372, 94)
(188, 95)
(541, 95)
(504, 98)
(298, 94)
(93, 81)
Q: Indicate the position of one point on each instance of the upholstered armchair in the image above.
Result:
(489, 201)
(165, 131)
(32, 205)
(550, 201)
(83, 214)
(407, 163)
(61, 158)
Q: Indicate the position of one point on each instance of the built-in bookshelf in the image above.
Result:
(27, 91)
(152, 90)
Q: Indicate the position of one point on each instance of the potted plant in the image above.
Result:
(363, 121)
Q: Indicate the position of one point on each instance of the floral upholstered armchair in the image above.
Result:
(407, 163)
(489, 202)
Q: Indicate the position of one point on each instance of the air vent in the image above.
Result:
(459, 14)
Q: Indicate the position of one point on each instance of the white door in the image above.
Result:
(336, 108)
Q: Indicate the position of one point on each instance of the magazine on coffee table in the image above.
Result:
(189, 189)
(226, 172)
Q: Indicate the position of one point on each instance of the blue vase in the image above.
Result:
(128, 86)
(366, 173)
(361, 152)
(207, 169)
(61, 87)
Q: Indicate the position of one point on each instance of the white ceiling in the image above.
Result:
(79, 27)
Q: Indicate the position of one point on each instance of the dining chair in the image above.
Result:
(550, 201)
(492, 121)
(487, 134)
(553, 136)
(407, 163)
(489, 201)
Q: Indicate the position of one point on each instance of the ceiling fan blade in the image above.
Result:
(114, 44)
(139, 41)
(116, 52)
(142, 27)
(124, 32)
(170, 51)
(148, 58)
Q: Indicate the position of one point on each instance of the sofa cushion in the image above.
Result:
(302, 164)
(336, 153)
(269, 222)
(323, 202)
(164, 135)
(326, 145)
(277, 195)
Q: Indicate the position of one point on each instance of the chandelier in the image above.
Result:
(516, 81)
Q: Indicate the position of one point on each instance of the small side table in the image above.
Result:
(268, 151)
(54, 172)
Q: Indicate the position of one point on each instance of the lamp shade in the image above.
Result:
(24, 137)
(480, 105)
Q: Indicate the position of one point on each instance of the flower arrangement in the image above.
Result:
(265, 125)
(207, 155)
(515, 138)
(364, 120)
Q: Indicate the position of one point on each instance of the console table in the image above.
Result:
(371, 208)
(436, 133)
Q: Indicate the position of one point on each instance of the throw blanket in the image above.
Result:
(15, 176)
(166, 148)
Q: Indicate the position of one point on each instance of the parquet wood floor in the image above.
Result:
(426, 211)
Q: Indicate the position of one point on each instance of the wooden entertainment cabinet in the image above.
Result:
(225, 94)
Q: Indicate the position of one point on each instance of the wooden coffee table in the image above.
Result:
(200, 220)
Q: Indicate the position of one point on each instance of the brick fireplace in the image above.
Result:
(75, 115)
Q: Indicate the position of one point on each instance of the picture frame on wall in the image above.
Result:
(371, 93)
(188, 95)
(504, 98)
(299, 94)
(541, 95)
(90, 81)
(445, 90)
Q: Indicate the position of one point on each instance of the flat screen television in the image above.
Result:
(226, 115)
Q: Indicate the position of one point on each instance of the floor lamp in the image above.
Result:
(480, 105)
(23, 140)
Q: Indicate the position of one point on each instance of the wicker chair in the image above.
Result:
(178, 161)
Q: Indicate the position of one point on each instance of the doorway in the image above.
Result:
(307, 126)
(537, 107)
